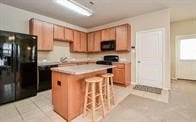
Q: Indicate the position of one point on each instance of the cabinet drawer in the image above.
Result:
(120, 66)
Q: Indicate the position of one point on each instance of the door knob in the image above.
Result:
(138, 61)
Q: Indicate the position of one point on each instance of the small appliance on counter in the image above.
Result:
(107, 60)
(18, 66)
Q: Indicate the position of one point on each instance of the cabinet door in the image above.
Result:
(97, 41)
(76, 43)
(119, 75)
(47, 42)
(69, 34)
(123, 38)
(108, 34)
(59, 32)
(83, 42)
(35, 28)
(44, 31)
(90, 42)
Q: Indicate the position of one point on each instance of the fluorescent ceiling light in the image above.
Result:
(75, 7)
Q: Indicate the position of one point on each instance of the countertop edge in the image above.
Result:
(80, 73)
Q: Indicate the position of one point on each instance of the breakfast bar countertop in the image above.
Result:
(82, 69)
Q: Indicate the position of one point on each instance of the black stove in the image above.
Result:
(107, 60)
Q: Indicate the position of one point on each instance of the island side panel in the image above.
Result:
(60, 94)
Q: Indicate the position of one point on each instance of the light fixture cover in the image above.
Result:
(72, 5)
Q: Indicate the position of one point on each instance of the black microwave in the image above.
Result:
(108, 45)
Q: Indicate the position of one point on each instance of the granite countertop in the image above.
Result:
(82, 69)
(57, 63)
(48, 63)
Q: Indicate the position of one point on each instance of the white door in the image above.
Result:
(186, 57)
(149, 57)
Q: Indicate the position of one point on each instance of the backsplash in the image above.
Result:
(124, 56)
(61, 49)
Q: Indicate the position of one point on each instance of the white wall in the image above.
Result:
(17, 20)
(180, 28)
(159, 19)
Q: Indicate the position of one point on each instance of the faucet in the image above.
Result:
(63, 59)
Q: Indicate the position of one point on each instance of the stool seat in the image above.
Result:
(108, 75)
(94, 79)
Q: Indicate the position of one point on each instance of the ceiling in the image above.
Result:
(106, 11)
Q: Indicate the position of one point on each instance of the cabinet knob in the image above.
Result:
(59, 83)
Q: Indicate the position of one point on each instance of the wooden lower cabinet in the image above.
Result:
(122, 73)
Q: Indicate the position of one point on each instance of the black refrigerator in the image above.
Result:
(18, 66)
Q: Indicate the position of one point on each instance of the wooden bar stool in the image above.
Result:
(91, 93)
(108, 79)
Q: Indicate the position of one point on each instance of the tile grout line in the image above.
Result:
(20, 114)
(41, 110)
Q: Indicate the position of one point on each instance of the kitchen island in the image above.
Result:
(68, 87)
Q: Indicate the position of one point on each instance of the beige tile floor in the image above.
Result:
(39, 108)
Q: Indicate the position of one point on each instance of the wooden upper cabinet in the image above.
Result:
(35, 28)
(90, 38)
(47, 44)
(59, 32)
(83, 42)
(44, 31)
(123, 38)
(63, 33)
(108, 34)
(97, 41)
(69, 34)
(94, 40)
(76, 41)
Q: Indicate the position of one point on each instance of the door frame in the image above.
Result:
(163, 55)
(177, 52)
